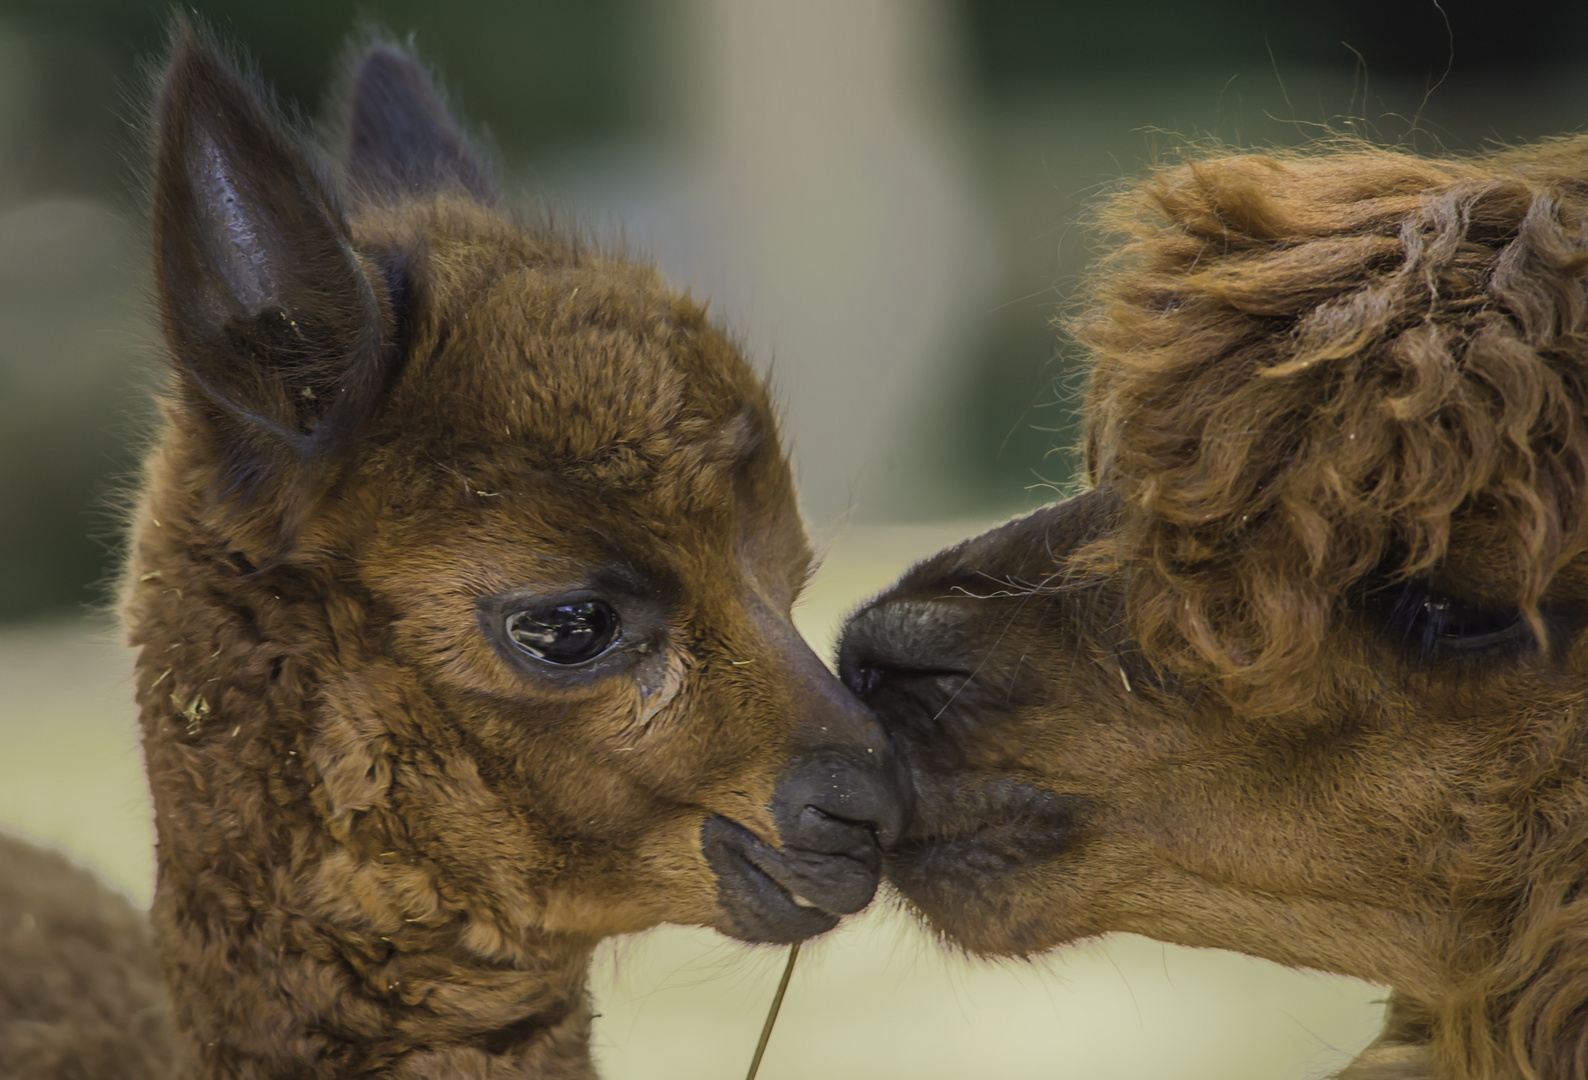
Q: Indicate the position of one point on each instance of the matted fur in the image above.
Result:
(1311, 368)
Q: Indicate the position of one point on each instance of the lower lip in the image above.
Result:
(778, 901)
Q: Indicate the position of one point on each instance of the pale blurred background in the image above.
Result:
(886, 199)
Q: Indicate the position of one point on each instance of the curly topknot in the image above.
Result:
(1312, 367)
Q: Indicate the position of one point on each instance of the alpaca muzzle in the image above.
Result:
(834, 814)
(840, 797)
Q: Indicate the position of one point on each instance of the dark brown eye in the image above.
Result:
(1452, 620)
(1434, 623)
(566, 633)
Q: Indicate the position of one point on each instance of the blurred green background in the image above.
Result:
(886, 199)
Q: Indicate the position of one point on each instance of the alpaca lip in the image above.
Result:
(768, 895)
(994, 829)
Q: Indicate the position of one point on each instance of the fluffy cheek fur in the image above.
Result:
(539, 804)
(470, 819)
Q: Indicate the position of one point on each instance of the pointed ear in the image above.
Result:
(400, 140)
(275, 326)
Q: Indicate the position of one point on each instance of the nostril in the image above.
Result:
(902, 639)
(865, 680)
(845, 801)
(816, 813)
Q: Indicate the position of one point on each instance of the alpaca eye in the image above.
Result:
(1453, 619)
(566, 633)
(1443, 623)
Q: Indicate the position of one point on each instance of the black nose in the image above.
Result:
(834, 809)
(909, 638)
(839, 799)
(834, 814)
(838, 805)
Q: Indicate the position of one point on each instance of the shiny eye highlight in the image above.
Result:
(566, 632)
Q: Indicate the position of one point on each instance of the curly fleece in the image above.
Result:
(1313, 369)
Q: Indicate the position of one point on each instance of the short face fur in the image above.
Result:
(1304, 674)
(462, 584)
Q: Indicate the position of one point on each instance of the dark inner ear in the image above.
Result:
(400, 140)
(275, 326)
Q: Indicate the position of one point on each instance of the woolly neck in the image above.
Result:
(300, 939)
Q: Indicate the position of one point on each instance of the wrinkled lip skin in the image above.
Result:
(962, 840)
(774, 896)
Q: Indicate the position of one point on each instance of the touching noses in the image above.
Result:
(834, 815)
(841, 798)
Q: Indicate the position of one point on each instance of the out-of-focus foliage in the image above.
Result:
(1054, 101)
(1066, 97)
(540, 73)
(75, 349)
(1024, 45)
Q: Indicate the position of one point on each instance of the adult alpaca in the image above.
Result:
(1304, 672)
(461, 584)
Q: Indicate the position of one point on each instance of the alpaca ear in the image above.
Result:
(400, 140)
(275, 328)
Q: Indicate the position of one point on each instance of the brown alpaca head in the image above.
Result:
(462, 582)
(1304, 673)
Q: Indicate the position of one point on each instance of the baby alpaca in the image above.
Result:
(461, 586)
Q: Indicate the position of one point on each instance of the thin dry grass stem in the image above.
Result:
(771, 1015)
